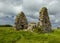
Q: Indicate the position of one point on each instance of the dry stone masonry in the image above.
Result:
(21, 21)
(31, 26)
(44, 21)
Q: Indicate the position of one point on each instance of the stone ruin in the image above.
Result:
(44, 21)
(31, 26)
(21, 21)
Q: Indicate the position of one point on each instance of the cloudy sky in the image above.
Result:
(10, 8)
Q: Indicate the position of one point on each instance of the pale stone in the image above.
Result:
(31, 26)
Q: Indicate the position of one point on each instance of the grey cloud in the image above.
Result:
(54, 7)
(32, 19)
(32, 15)
(7, 7)
(7, 10)
(6, 20)
(12, 2)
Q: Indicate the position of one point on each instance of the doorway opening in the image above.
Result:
(22, 27)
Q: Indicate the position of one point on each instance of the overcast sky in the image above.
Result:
(10, 8)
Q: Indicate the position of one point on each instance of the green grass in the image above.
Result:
(8, 35)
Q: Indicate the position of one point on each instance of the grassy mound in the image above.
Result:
(8, 35)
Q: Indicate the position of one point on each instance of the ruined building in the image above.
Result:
(44, 21)
(43, 24)
(21, 21)
(31, 26)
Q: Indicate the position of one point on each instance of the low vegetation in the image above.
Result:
(9, 35)
(7, 25)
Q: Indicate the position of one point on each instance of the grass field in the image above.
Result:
(8, 35)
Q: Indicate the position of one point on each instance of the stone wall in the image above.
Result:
(31, 26)
(21, 21)
(44, 21)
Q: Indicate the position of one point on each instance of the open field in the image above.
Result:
(8, 35)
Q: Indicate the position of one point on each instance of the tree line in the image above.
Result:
(7, 25)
